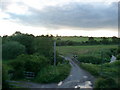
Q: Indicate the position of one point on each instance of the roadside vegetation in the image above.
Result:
(53, 73)
(107, 74)
(104, 72)
(26, 53)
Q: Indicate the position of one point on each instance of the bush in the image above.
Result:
(18, 69)
(92, 68)
(118, 57)
(59, 59)
(36, 63)
(43, 45)
(107, 83)
(31, 63)
(24, 39)
(5, 85)
(90, 59)
(11, 50)
(106, 72)
(53, 73)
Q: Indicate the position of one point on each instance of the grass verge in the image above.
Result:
(52, 74)
(107, 71)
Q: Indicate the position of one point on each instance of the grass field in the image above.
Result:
(81, 50)
(78, 39)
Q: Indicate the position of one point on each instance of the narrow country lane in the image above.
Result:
(77, 78)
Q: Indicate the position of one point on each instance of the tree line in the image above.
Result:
(91, 41)
(20, 43)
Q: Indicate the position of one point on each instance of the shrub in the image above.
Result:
(53, 73)
(113, 51)
(92, 68)
(106, 72)
(43, 45)
(11, 50)
(59, 59)
(24, 39)
(118, 57)
(18, 69)
(90, 59)
(5, 85)
(36, 63)
(105, 83)
(31, 63)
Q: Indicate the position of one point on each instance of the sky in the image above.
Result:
(97, 18)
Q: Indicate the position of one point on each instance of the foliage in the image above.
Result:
(115, 40)
(31, 63)
(59, 59)
(36, 63)
(5, 85)
(118, 57)
(43, 45)
(24, 39)
(92, 68)
(18, 69)
(76, 41)
(102, 83)
(11, 50)
(107, 70)
(118, 53)
(105, 40)
(118, 50)
(94, 50)
(53, 73)
(90, 59)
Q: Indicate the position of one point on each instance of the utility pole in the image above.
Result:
(101, 61)
(54, 53)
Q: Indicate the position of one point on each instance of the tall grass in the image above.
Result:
(105, 71)
(52, 74)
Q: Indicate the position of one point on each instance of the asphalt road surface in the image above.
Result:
(77, 78)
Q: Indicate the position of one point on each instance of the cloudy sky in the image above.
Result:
(62, 17)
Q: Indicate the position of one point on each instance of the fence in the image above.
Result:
(29, 74)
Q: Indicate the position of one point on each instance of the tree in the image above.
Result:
(91, 40)
(43, 45)
(105, 40)
(115, 40)
(24, 39)
(5, 39)
(12, 49)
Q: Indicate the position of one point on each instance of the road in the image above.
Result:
(77, 78)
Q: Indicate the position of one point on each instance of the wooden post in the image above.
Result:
(54, 53)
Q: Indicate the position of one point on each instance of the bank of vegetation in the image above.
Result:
(27, 53)
(106, 72)
(76, 41)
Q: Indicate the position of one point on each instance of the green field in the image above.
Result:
(78, 39)
(81, 50)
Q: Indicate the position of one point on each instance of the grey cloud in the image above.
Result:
(72, 15)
